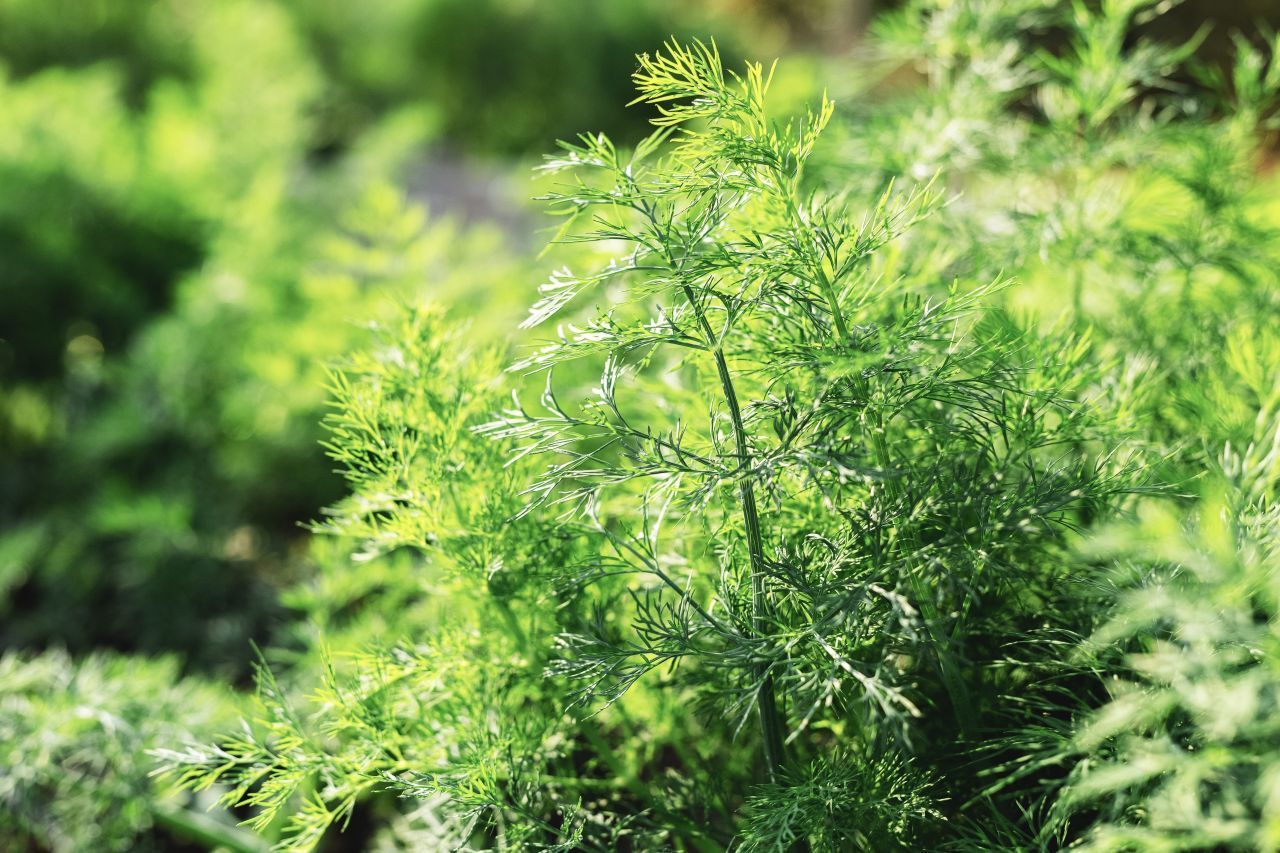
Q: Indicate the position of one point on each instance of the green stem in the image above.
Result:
(205, 830)
(833, 304)
(770, 719)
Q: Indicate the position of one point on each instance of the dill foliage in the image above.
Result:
(1118, 177)
(73, 740)
(772, 540)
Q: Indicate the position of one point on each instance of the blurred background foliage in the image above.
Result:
(206, 202)
(188, 235)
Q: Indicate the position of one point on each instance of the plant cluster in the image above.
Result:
(73, 742)
(797, 493)
(893, 477)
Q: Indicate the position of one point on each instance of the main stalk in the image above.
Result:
(771, 725)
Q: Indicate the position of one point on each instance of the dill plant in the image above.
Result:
(909, 457)
(73, 741)
(1118, 178)
(744, 574)
(1184, 753)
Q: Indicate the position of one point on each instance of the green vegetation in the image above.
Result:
(75, 737)
(891, 474)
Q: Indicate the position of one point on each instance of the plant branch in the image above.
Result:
(770, 719)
